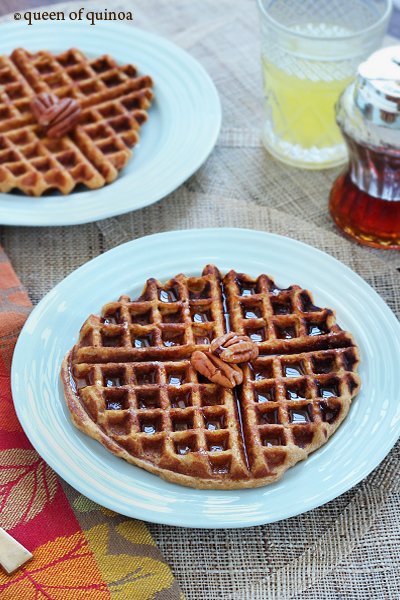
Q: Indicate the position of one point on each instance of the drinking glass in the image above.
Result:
(310, 52)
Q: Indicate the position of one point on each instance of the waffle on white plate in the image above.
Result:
(130, 382)
(67, 120)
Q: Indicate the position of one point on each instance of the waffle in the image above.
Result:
(129, 382)
(113, 101)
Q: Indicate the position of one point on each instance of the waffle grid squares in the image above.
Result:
(151, 402)
(179, 316)
(113, 99)
(288, 394)
(167, 401)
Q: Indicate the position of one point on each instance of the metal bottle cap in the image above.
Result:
(377, 88)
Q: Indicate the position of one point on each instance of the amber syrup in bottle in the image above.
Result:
(365, 201)
(368, 217)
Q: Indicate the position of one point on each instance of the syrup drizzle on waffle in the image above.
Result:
(235, 390)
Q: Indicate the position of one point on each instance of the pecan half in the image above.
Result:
(58, 115)
(234, 348)
(216, 370)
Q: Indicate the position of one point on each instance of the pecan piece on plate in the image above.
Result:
(234, 348)
(216, 370)
(58, 115)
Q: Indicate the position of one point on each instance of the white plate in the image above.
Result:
(364, 439)
(182, 128)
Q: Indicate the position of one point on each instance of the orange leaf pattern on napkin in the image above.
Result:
(64, 569)
(27, 484)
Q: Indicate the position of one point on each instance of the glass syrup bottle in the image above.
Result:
(365, 200)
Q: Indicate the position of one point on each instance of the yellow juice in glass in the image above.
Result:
(301, 94)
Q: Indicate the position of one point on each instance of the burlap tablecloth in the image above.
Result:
(349, 548)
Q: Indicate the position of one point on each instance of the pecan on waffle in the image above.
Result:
(130, 384)
(112, 102)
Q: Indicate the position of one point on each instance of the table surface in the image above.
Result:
(351, 544)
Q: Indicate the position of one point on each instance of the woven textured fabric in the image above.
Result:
(349, 548)
(80, 550)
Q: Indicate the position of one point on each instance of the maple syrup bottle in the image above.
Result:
(365, 200)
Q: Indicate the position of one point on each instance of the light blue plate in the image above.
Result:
(182, 129)
(366, 436)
